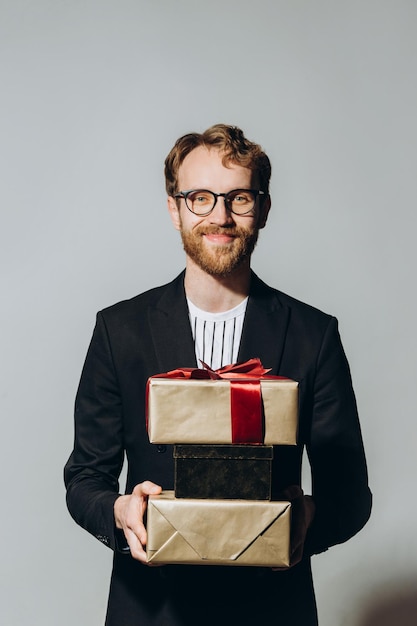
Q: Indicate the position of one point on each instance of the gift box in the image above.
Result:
(223, 471)
(218, 532)
(221, 411)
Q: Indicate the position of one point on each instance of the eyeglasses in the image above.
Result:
(202, 201)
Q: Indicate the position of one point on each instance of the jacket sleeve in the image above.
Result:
(92, 471)
(339, 473)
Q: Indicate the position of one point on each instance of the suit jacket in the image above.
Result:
(151, 333)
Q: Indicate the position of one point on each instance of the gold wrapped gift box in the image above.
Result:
(198, 411)
(218, 532)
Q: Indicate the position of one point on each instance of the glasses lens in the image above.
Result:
(200, 201)
(241, 200)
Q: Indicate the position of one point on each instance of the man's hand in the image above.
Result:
(128, 514)
(303, 509)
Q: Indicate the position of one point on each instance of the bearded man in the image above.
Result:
(217, 311)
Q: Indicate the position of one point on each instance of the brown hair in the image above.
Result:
(234, 146)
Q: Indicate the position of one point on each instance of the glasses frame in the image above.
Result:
(185, 194)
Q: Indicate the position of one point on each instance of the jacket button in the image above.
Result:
(162, 448)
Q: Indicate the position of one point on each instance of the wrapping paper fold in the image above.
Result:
(218, 532)
(222, 407)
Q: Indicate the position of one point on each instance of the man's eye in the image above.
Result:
(241, 198)
(201, 198)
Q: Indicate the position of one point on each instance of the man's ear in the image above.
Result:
(263, 214)
(174, 212)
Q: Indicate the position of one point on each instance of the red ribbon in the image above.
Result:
(245, 395)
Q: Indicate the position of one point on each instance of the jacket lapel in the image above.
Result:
(265, 326)
(170, 328)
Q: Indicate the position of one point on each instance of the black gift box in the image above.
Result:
(223, 471)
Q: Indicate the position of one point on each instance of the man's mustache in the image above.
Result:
(218, 230)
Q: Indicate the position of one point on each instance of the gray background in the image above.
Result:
(93, 95)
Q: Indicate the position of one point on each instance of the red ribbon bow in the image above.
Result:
(245, 395)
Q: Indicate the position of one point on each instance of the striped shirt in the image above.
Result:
(217, 335)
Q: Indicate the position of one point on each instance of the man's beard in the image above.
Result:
(220, 260)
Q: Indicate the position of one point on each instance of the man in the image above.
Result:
(220, 312)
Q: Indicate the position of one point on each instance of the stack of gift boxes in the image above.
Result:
(223, 429)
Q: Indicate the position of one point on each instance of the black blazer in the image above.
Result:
(150, 334)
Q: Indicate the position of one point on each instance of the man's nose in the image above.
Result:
(220, 214)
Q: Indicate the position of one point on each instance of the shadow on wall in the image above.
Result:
(391, 605)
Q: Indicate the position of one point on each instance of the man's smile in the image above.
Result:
(219, 238)
(217, 235)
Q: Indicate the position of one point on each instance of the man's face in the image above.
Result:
(220, 242)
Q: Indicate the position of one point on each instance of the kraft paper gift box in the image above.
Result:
(223, 471)
(200, 411)
(218, 532)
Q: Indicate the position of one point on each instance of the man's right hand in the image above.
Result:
(128, 514)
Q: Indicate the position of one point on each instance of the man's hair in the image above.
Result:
(233, 145)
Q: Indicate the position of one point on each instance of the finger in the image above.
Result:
(137, 549)
(134, 520)
(147, 488)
